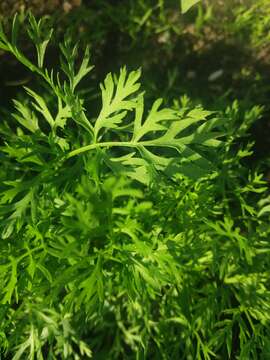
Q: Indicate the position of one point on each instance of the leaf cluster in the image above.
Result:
(129, 231)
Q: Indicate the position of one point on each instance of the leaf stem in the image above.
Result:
(100, 145)
(133, 144)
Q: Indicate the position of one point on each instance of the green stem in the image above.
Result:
(133, 144)
(100, 145)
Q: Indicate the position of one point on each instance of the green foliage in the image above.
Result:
(128, 230)
(187, 4)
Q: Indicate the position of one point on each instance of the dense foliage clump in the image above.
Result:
(131, 227)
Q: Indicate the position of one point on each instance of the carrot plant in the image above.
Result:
(128, 230)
